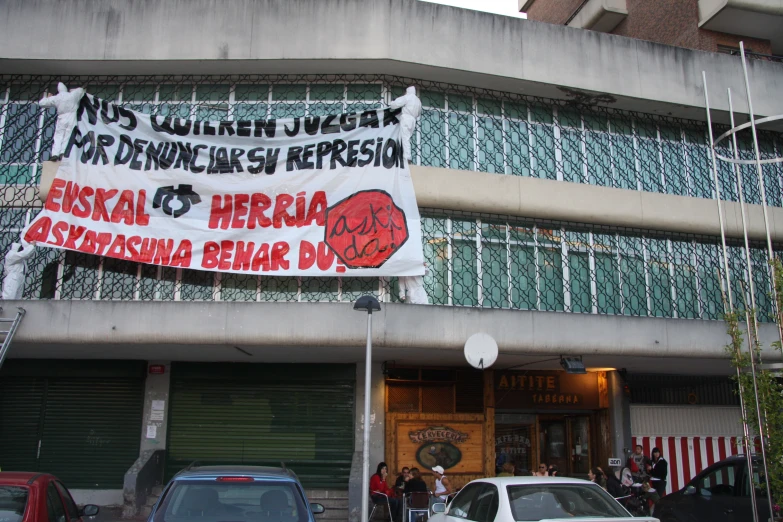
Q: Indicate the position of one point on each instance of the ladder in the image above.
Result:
(10, 332)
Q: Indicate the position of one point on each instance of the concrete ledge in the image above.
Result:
(450, 189)
(398, 37)
(322, 325)
(600, 15)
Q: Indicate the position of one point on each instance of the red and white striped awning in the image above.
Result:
(687, 456)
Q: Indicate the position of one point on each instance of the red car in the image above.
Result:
(38, 497)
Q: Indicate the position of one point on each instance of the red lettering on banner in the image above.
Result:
(117, 248)
(132, 244)
(70, 196)
(99, 212)
(147, 250)
(183, 255)
(282, 202)
(261, 258)
(317, 210)
(55, 192)
(220, 215)
(39, 231)
(60, 228)
(123, 210)
(73, 234)
(84, 200)
(209, 258)
(244, 256)
(142, 218)
(325, 256)
(307, 255)
(259, 203)
(90, 243)
(240, 210)
(226, 249)
(279, 250)
(163, 252)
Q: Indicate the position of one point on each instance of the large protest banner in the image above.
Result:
(313, 196)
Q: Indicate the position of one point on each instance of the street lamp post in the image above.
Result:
(369, 304)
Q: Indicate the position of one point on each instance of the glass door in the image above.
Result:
(513, 446)
(553, 444)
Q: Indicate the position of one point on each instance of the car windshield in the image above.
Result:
(212, 501)
(13, 500)
(545, 501)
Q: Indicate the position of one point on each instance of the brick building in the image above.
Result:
(705, 25)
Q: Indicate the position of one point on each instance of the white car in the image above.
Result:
(518, 499)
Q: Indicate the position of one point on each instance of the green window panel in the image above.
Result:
(660, 279)
(494, 275)
(598, 148)
(197, 285)
(673, 154)
(238, 287)
(623, 153)
(20, 132)
(524, 293)
(118, 279)
(432, 138)
(319, 289)
(710, 273)
(464, 277)
(517, 147)
(364, 91)
(80, 276)
(490, 146)
(550, 267)
(579, 282)
(685, 284)
(352, 288)
(607, 275)
(699, 162)
(461, 141)
(542, 142)
(325, 108)
(649, 158)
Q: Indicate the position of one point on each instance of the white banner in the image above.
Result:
(314, 196)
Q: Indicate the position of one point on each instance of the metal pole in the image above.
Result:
(753, 307)
(743, 412)
(770, 252)
(366, 442)
(717, 192)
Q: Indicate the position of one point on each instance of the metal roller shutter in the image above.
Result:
(21, 401)
(79, 420)
(264, 414)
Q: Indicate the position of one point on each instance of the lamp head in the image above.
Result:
(573, 364)
(367, 303)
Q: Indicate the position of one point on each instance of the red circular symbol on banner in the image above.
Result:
(365, 229)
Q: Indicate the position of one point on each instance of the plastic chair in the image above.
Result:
(375, 504)
(416, 502)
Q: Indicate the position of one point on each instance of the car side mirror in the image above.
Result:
(690, 490)
(317, 509)
(90, 510)
(440, 507)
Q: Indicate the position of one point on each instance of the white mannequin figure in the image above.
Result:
(411, 110)
(13, 269)
(412, 288)
(66, 102)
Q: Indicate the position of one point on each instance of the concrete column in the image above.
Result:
(619, 417)
(156, 389)
(377, 435)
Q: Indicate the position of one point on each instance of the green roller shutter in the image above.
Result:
(264, 414)
(81, 419)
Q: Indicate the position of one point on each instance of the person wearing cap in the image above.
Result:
(442, 485)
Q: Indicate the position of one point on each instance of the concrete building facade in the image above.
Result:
(568, 208)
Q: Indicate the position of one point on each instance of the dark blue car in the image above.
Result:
(720, 493)
(234, 494)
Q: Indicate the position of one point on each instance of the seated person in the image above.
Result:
(415, 484)
(402, 479)
(508, 470)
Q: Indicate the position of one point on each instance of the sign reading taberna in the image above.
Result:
(319, 196)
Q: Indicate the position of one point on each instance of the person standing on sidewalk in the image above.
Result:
(659, 472)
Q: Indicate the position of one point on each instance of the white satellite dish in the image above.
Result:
(481, 351)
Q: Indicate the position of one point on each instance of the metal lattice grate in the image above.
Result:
(482, 261)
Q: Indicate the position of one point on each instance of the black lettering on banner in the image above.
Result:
(226, 127)
(104, 140)
(294, 160)
(124, 150)
(182, 127)
(367, 151)
(193, 167)
(338, 147)
(353, 151)
(390, 154)
(138, 148)
(185, 156)
(162, 126)
(75, 139)
(89, 108)
(348, 122)
(127, 114)
(88, 147)
(268, 164)
(307, 154)
(292, 132)
(267, 127)
(390, 117)
(105, 118)
(243, 128)
(321, 151)
(208, 129)
(329, 127)
(256, 156)
(311, 124)
(236, 164)
(369, 119)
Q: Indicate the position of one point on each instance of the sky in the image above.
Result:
(503, 7)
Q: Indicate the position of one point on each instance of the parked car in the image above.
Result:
(38, 497)
(235, 493)
(512, 499)
(720, 493)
